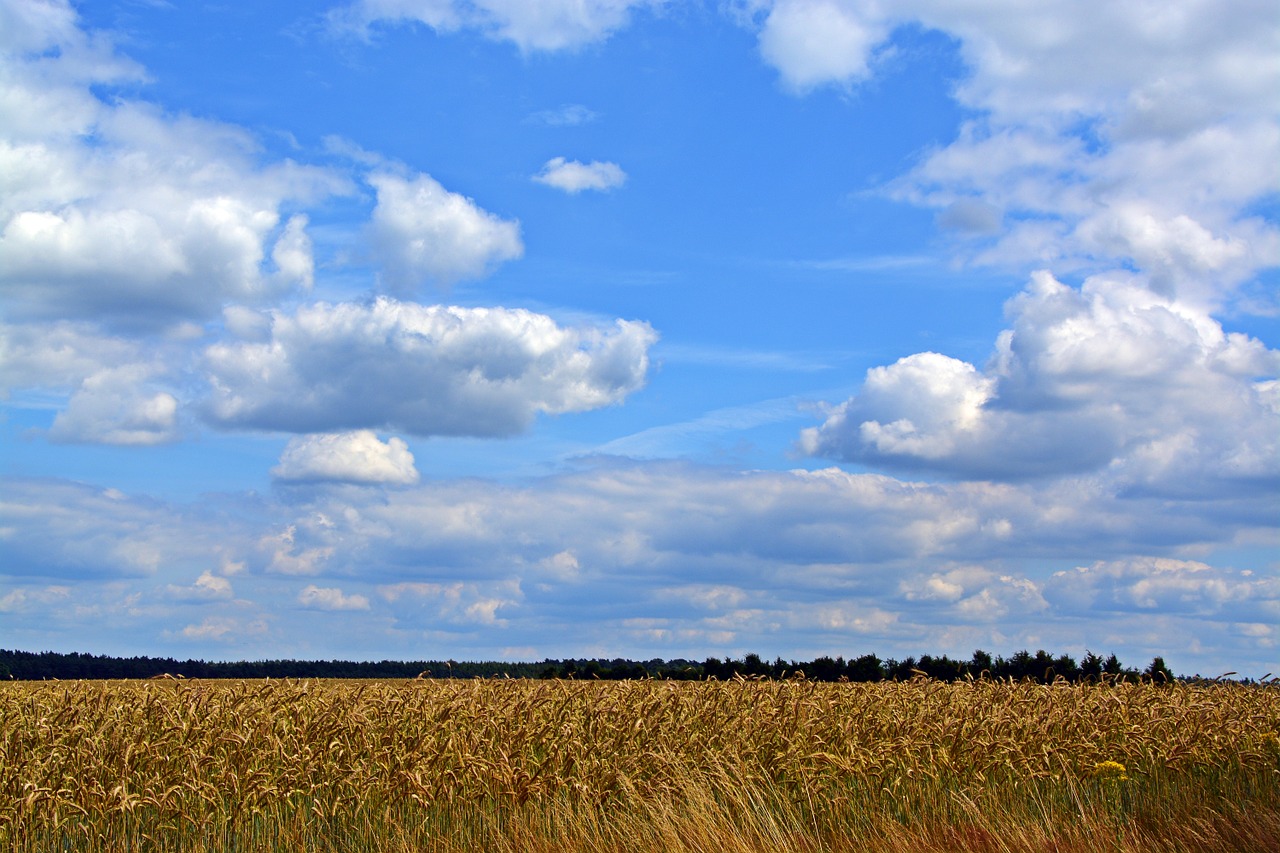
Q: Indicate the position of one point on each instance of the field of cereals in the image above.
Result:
(641, 765)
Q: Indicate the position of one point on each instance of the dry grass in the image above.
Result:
(559, 766)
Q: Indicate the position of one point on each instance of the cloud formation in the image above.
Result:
(573, 177)
(422, 232)
(330, 598)
(812, 42)
(1109, 475)
(126, 231)
(1108, 377)
(673, 558)
(458, 604)
(1151, 152)
(349, 457)
(423, 370)
(207, 587)
(54, 529)
(102, 215)
(1167, 585)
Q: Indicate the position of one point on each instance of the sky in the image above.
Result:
(503, 330)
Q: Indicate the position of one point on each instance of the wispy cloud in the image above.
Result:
(872, 263)
(799, 362)
(675, 440)
(569, 115)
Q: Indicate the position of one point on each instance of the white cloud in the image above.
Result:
(1026, 61)
(26, 599)
(59, 356)
(1168, 586)
(289, 556)
(225, 629)
(351, 457)
(108, 388)
(123, 228)
(1102, 132)
(423, 232)
(710, 530)
(114, 210)
(847, 618)
(1108, 377)
(207, 587)
(562, 566)
(55, 529)
(125, 231)
(330, 598)
(459, 603)
(423, 370)
(292, 254)
(117, 406)
(547, 25)
(678, 559)
(573, 177)
(975, 593)
(935, 401)
(819, 41)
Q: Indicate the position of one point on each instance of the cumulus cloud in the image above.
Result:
(423, 370)
(292, 254)
(116, 211)
(123, 228)
(116, 406)
(1025, 62)
(422, 232)
(545, 26)
(1167, 585)
(819, 41)
(458, 603)
(350, 457)
(110, 388)
(573, 177)
(562, 566)
(60, 356)
(975, 593)
(674, 558)
(288, 552)
(1101, 134)
(207, 587)
(712, 531)
(1110, 376)
(330, 598)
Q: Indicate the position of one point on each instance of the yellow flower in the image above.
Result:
(1110, 771)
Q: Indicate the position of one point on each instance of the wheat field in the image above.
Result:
(642, 765)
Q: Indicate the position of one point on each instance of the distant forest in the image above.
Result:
(1040, 666)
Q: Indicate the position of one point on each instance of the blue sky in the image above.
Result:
(490, 329)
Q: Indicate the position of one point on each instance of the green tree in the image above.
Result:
(1158, 672)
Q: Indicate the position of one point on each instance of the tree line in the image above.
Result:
(1023, 665)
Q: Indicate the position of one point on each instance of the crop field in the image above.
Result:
(643, 765)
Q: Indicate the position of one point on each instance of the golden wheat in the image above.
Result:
(204, 761)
